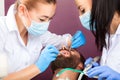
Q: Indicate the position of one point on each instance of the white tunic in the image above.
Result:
(20, 56)
(111, 56)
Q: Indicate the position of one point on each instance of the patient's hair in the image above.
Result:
(67, 62)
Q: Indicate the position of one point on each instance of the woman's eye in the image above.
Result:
(82, 11)
(42, 20)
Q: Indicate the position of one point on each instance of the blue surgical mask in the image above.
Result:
(85, 20)
(37, 29)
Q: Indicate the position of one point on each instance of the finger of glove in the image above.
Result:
(52, 49)
(88, 61)
(76, 35)
(95, 64)
(95, 71)
(77, 45)
(53, 55)
(78, 42)
(49, 47)
(50, 57)
(111, 78)
(103, 76)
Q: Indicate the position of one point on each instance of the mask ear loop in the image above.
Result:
(24, 15)
(27, 17)
(71, 69)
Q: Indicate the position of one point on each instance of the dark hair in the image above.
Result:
(101, 17)
(32, 3)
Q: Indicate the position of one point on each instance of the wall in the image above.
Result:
(2, 8)
(66, 20)
(7, 4)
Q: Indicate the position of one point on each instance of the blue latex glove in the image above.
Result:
(48, 54)
(78, 39)
(104, 73)
(88, 61)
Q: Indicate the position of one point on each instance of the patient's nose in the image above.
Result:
(65, 53)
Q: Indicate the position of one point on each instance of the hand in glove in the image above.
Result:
(104, 73)
(78, 39)
(48, 54)
(89, 60)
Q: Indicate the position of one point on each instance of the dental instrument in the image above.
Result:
(88, 66)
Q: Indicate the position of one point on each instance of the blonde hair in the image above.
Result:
(32, 3)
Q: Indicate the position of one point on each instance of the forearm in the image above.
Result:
(25, 74)
(57, 40)
(3, 65)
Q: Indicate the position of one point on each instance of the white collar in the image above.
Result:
(10, 19)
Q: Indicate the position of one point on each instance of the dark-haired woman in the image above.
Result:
(105, 25)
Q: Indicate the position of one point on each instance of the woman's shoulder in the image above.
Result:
(2, 21)
(3, 26)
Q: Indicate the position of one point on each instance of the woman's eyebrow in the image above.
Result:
(48, 16)
(45, 16)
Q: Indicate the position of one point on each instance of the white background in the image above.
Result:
(2, 10)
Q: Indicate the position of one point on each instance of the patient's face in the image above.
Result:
(83, 6)
(66, 59)
(68, 53)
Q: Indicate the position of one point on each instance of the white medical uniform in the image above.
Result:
(111, 56)
(18, 54)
